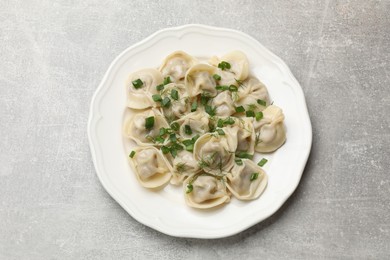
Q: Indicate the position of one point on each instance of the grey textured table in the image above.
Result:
(53, 56)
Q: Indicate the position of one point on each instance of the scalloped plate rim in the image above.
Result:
(95, 116)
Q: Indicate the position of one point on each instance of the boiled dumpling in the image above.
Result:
(215, 153)
(270, 131)
(239, 67)
(178, 107)
(224, 104)
(250, 92)
(184, 165)
(244, 131)
(199, 80)
(141, 85)
(205, 191)
(150, 166)
(195, 123)
(137, 128)
(247, 181)
(176, 66)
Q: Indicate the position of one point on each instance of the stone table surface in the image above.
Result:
(53, 56)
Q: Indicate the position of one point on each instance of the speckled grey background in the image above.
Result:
(53, 55)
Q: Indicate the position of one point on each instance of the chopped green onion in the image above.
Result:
(210, 110)
(233, 88)
(229, 121)
(174, 94)
(194, 106)
(164, 149)
(149, 122)
(137, 83)
(176, 146)
(173, 152)
(187, 130)
(160, 87)
(250, 113)
(131, 155)
(240, 109)
(204, 99)
(159, 139)
(220, 123)
(216, 77)
(222, 87)
(163, 131)
(173, 137)
(167, 80)
(254, 176)
(238, 161)
(189, 188)
(166, 102)
(220, 132)
(261, 102)
(211, 126)
(156, 97)
(224, 65)
(190, 148)
(244, 155)
(187, 142)
(195, 138)
(262, 162)
(259, 115)
(175, 126)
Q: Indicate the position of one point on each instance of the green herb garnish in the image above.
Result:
(204, 99)
(240, 109)
(131, 155)
(238, 161)
(156, 97)
(194, 106)
(216, 77)
(189, 188)
(220, 123)
(181, 167)
(162, 131)
(261, 102)
(224, 65)
(159, 139)
(187, 130)
(250, 113)
(195, 138)
(244, 155)
(210, 110)
(259, 115)
(220, 131)
(175, 126)
(149, 122)
(173, 137)
(233, 88)
(173, 152)
(174, 94)
(165, 149)
(167, 80)
(166, 102)
(137, 83)
(190, 148)
(222, 87)
(254, 176)
(160, 87)
(262, 162)
(229, 121)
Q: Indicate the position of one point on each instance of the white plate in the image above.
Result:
(166, 210)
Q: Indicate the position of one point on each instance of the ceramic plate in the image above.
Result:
(166, 210)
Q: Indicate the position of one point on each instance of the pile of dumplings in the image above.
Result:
(198, 124)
